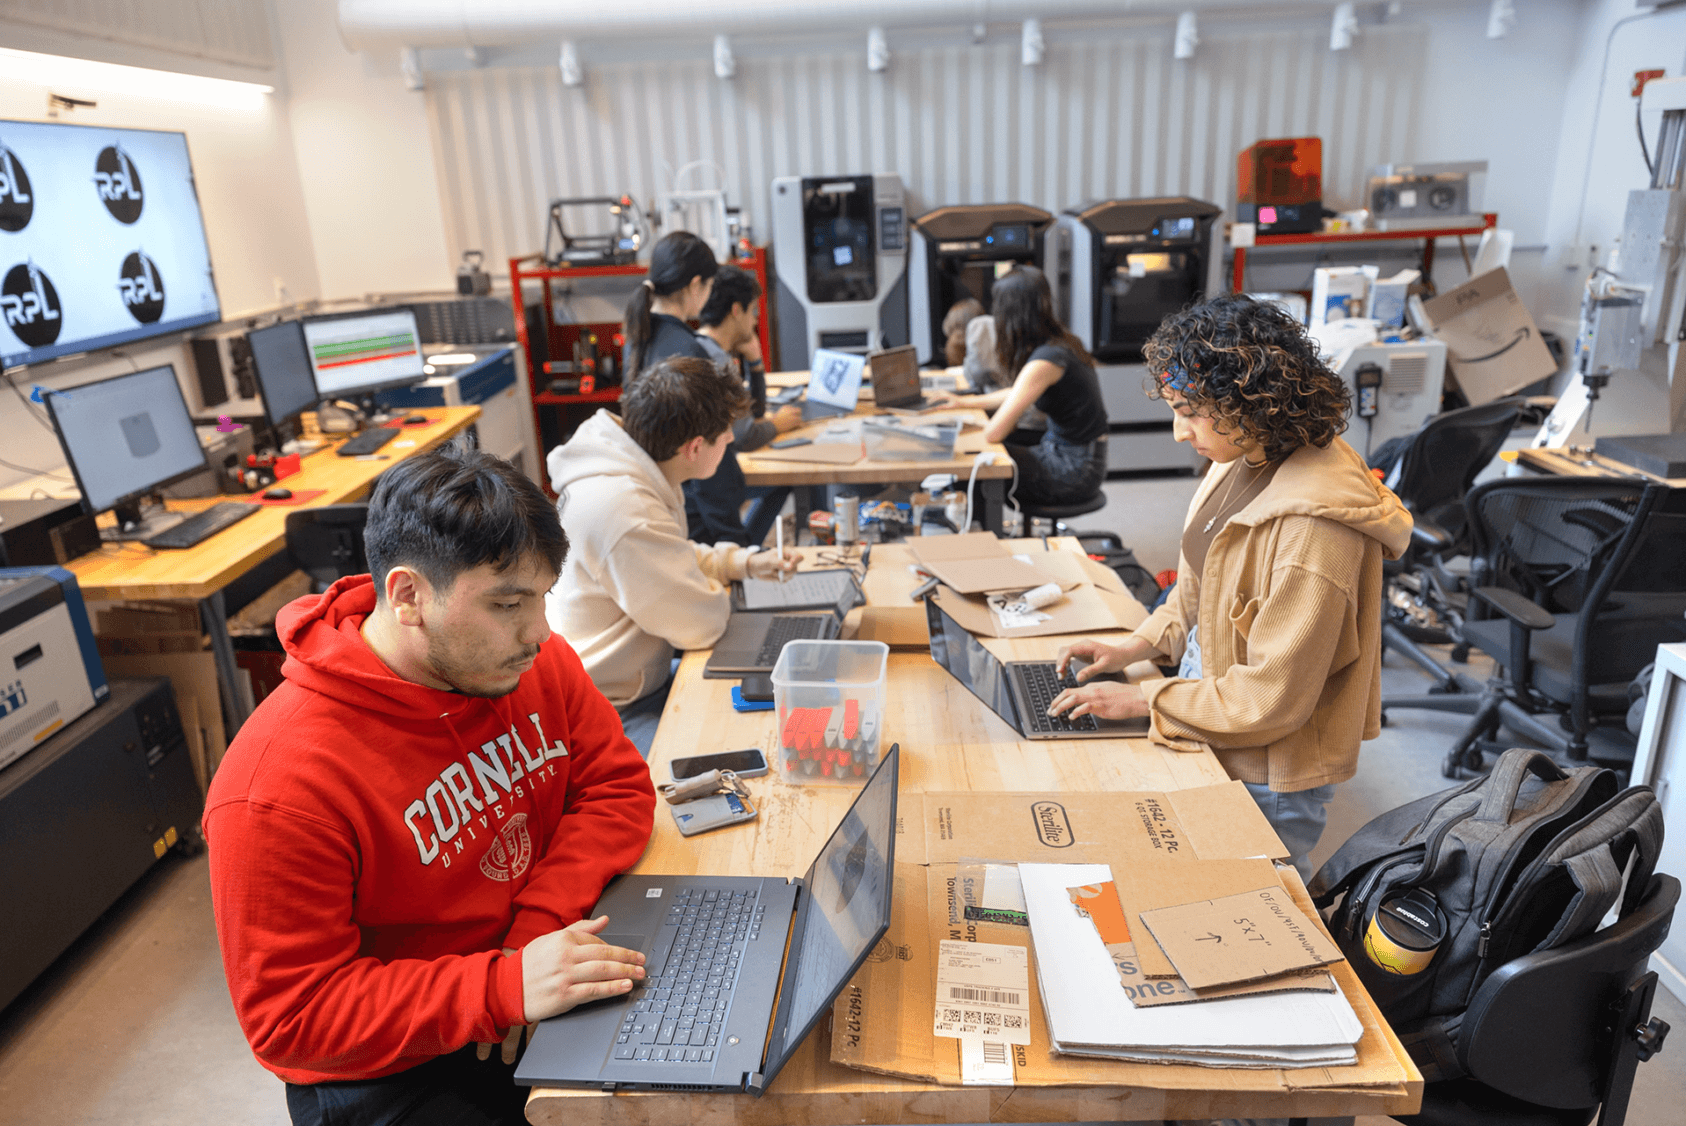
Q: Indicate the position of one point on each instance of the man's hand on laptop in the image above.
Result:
(571, 966)
(768, 564)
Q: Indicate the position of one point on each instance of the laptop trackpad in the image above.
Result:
(630, 941)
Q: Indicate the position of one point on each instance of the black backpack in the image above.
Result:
(1441, 892)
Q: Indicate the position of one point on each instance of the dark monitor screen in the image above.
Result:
(126, 437)
(282, 363)
(364, 352)
(1010, 236)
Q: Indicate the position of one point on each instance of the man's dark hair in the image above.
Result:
(450, 510)
(733, 285)
(678, 399)
(1254, 368)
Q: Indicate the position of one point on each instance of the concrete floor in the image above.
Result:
(133, 1026)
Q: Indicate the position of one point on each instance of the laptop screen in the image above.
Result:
(966, 659)
(895, 376)
(836, 378)
(845, 911)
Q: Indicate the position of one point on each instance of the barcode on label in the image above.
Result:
(989, 996)
(995, 1053)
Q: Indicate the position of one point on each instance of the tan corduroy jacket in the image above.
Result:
(1289, 608)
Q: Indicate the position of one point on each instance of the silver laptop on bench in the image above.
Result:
(754, 638)
(717, 968)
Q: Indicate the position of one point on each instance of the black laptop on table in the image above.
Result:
(895, 381)
(717, 967)
(753, 639)
(1018, 691)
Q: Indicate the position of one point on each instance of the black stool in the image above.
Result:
(1055, 515)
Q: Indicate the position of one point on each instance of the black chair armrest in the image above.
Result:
(1429, 536)
(1528, 615)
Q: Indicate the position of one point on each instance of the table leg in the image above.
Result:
(215, 619)
(802, 499)
(994, 491)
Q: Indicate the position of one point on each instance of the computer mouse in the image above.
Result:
(416, 419)
(277, 494)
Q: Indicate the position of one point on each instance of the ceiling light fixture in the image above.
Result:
(1188, 37)
(1500, 19)
(1343, 28)
(725, 63)
(1031, 44)
(572, 73)
(877, 49)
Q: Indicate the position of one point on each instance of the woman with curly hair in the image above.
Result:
(1275, 621)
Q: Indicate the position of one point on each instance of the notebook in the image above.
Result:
(718, 971)
(1017, 691)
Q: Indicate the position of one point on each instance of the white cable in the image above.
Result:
(983, 459)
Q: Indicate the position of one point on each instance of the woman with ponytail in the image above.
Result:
(682, 270)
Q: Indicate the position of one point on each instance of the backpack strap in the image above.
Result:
(1433, 1047)
(1596, 852)
(1505, 783)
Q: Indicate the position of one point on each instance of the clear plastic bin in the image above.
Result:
(829, 700)
(931, 441)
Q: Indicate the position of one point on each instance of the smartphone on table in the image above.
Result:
(750, 763)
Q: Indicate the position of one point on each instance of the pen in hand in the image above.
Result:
(778, 544)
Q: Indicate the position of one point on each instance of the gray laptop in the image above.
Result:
(895, 380)
(834, 384)
(724, 1006)
(1017, 691)
(753, 639)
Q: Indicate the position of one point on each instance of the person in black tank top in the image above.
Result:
(1067, 463)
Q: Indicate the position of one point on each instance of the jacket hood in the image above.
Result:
(1333, 483)
(601, 447)
(326, 653)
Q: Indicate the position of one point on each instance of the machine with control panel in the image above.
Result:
(840, 256)
(1120, 268)
(50, 671)
(958, 252)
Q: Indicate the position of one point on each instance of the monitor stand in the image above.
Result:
(133, 525)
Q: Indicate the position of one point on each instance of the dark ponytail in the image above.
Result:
(678, 257)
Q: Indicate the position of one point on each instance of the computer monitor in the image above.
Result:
(125, 438)
(355, 355)
(281, 362)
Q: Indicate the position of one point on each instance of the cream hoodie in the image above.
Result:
(633, 588)
(1289, 609)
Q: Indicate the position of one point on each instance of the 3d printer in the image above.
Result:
(594, 242)
(958, 252)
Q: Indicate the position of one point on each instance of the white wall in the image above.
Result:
(366, 163)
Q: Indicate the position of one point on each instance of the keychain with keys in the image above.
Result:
(710, 782)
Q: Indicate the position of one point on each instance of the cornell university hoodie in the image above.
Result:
(375, 843)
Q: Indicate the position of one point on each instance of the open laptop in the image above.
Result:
(895, 381)
(718, 968)
(753, 639)
(805, 590)
(834, 384)
(1017, 691)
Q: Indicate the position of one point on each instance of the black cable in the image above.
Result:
(1639, 127)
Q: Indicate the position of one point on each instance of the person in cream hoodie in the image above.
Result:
(634, 589)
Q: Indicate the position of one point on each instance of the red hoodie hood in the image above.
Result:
(326, 653)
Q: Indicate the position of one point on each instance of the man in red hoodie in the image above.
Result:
(407, 834)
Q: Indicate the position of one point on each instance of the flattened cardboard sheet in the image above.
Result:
(1154, 884)
(1237, 938)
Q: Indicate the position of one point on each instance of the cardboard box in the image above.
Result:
(138, 639)
(978, 563)
(883, 1020)
(1492, 344)
(1095, 599)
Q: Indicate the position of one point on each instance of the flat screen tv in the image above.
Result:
(101, 240)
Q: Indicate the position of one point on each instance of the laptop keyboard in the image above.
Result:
(677, 1016)
(1041, 685)
(789, 627)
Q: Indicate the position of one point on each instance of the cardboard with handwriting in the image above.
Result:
(883, 1021)
(1153, 884)
(1244, 937)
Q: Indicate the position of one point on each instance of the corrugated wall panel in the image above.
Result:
(1108, 116)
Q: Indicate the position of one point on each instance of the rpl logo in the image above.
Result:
(17, 198)
(31, 305)
(142, 287)
(119, 184)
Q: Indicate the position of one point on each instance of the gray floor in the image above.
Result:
(134, 1025)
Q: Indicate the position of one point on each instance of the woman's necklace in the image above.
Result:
(1229, 491)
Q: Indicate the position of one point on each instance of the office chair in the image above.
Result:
(1423, 601)
(1054, 516)
(1555, 1037)
(326, 543)
(1576, 581)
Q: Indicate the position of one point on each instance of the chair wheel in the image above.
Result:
(1449, 767)
(1460, 654)
(1385, 721)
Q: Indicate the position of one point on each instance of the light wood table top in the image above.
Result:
(1562, 463)
(134, 571)
(949, 741)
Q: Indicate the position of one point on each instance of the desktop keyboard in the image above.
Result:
(202, 525)
(1042, 684)
(678, 1015)
(369, 441)
(789, 627)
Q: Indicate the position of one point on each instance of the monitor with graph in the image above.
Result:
(360, 353)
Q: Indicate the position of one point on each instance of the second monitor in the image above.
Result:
(355, 355)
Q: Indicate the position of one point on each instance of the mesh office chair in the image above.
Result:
(326, 543)
(1576, 581)
(1423, 601)
(1553, 1038)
